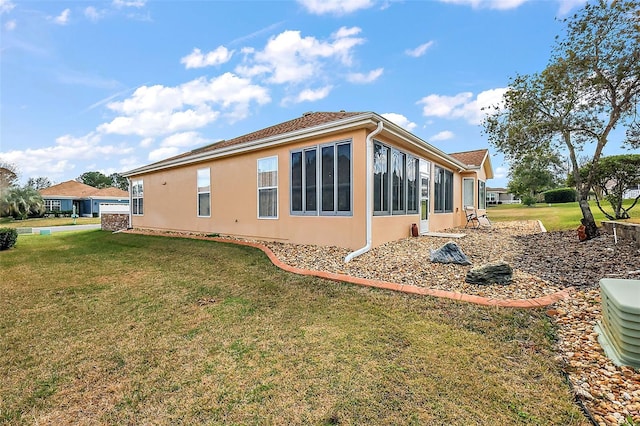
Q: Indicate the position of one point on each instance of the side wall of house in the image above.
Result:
(170, 199)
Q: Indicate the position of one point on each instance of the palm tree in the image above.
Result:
(21, 202)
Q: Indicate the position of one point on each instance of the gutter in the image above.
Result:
(369, 197)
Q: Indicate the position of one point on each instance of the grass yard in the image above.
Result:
(102, 328)
(555, 217)
(46, 222)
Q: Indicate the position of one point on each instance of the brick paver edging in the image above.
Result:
(537, 302)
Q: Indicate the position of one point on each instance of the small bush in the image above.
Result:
(8, 238)
(528, 200)
(560, 195)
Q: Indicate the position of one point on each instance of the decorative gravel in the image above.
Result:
(407, 261)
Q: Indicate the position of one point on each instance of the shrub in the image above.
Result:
(560, 195)
(528, 200)
(8, 238)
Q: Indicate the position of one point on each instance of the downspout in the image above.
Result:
(130, 204)
(369, 196)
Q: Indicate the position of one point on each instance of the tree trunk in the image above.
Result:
(587, 219)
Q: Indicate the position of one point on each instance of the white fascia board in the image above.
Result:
(357, 121)
(423, 145)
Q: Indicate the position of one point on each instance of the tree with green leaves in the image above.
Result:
(533, 174)
(612, 177)
(8, 175)
(95, 179)
(590, 86)
(22, 202)
(119, 181)
(39, 183)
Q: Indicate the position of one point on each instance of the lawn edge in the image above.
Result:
(537, 302)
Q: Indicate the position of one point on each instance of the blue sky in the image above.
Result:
(110, 86)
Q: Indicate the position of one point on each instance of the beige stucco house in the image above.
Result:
(347, 179)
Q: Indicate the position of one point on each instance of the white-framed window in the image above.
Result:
(137, 197)
(321, 180)
(268, 188)
(52, 205)
(482, 195)
(442, 190)
(204, 192)
(468, 187)
(395, 181)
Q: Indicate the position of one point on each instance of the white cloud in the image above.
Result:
(309, 95)
(400, 120)
(197, 59)
(63, 18)
(160, 110)
(290, 58)
(10, 25)
(162, 153)
(134, 3)
(93, 14)
(146, 142)
(500, 172)
(6, 6)
(336, 7)
(420, 50)
(62, 157)
(184, 139)
(489, 4)
(567, 5)
(442, 136)
(360, 78)
(462, 105)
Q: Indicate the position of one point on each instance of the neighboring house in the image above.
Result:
(501, 196)
(631, 193)
(347, 179)
(87, 199)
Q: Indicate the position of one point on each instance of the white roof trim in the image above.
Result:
(362, 120)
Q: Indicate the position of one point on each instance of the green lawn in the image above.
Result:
(45, 222)
(555, 216)
(129, 329)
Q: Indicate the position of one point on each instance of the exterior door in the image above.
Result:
(425, 181)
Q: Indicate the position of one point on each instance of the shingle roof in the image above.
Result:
(72, 188)
(471, 158)
(309, 119)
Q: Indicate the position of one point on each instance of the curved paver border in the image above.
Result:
(537, 302)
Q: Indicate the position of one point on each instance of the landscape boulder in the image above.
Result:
(449, 253)
(491, 273)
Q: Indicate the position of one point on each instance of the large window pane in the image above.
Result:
(344, 177)
(328, 177)
(398, 168)
(204, 206)
(482, 195)
(204, 192)
(380, 178)
(268, 187)
(448, 191)
(325, 180)
(296, 181)
(268, 202)
(467, 192)
(310, 180)
(412, 184)
(438, 190)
